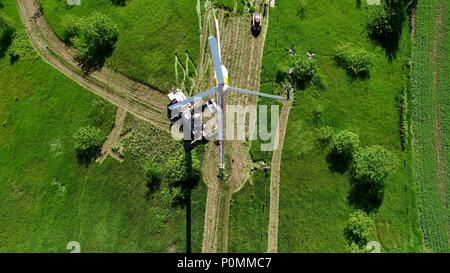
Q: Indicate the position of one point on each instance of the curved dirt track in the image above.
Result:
(137, 99)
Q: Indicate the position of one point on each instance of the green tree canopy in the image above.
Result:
(88, 143)
(359, 228)
(7, 30)
(94, 38)
(344, 143)
(357, 61)
(303, 71)
(379, 25)
(373, 165)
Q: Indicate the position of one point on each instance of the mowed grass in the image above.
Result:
(47, 199)
(313, 200)
(151, 33)
(430, 96)
(249, 215)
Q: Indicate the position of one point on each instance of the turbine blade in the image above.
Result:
(239, 90)
(199, 96)
(216, 59)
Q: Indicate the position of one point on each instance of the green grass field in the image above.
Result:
(48, 199)
(151, 33)
(430, 94)
(249, 216)
(313, 200)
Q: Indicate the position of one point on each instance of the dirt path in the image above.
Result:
(272, 241)
(113, 136)
(242, 55)
(138, 99)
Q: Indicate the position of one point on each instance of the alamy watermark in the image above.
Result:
(241, 122)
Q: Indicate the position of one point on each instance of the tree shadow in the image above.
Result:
(366, 197)
(95, 61)
(120, 3)
(86, 157)
(358, 4)
(187, 187)
(5, 42)
(338, 163)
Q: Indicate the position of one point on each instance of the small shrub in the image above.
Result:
(303, 71)
(94, 38)
(21, 47)
(344, 143)
(357, 61)
(88, 143)
(153, 176)
(7, 30)
(72, 27)
(379, 26)
(319, 82)
(404, 134)
(372, 165)
(324, 134)
(358, 230)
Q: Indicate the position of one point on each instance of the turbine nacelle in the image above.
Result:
(225, 76)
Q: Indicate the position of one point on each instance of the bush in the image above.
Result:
(403, 105)
(94, 38)
(21, 47)
(372, 165)
(379, 26)
(303, 71)
(358, 230)
(88, 143)
(356, 60)
(71, 26)
(324, 134)
(7, 30)
(153, 175)
(319, 82)
(344, 143)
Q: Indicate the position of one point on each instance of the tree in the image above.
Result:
(20, 46)
(359, 228)
(379, 26)
(373, 164)
(153, 175)
(7, 30)
(94, 38)
(357, 61)
(88, 143)
(324, 134)
(344, 143)
(303, 71)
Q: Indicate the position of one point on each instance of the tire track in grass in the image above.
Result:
(138, 99)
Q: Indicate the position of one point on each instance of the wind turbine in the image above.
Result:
(221, 76)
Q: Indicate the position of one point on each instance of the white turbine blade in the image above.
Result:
(194, 98)
(239, 90)
(216, 59)
(218, 38)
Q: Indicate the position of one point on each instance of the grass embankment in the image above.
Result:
(150, 34)
(48, 199)
(313, 200)
(430, 120)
